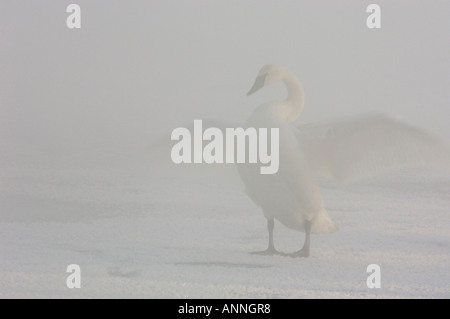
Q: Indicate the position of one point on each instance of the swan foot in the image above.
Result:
(268, 252)
(301, 253)
(304, 252)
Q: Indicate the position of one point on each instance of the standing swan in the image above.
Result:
(344, 150)
(291, 195)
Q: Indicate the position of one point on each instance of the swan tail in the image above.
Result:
(322, 224)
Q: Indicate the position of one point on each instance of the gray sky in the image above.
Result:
(138, 69)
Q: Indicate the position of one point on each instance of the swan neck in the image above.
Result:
(296, 98)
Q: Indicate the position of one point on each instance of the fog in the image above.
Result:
(137, 69)
(86, 115)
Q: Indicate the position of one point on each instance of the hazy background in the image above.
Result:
(137, 69)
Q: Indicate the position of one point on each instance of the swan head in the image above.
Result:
(268, 75)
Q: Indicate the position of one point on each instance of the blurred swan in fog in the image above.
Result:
(344, 150)
(291, 195)
(341, 150)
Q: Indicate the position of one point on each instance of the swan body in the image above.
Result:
(290, 196)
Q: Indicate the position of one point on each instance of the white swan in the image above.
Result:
(357, 147)
(291, 196)
(344, 150)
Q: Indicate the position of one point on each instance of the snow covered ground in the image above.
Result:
(137, 233)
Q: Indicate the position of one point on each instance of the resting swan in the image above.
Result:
(291, 195)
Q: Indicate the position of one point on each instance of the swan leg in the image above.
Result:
(271, 248)
(304, 252)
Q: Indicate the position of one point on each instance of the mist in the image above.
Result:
(136, 70)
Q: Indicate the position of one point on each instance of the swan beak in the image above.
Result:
(259, 83)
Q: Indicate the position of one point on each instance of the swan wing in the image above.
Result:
(368, 145)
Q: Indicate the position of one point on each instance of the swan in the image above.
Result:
(342, 150)
(290, 196)
(345, 150)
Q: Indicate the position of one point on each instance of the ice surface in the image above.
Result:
(156, 235)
